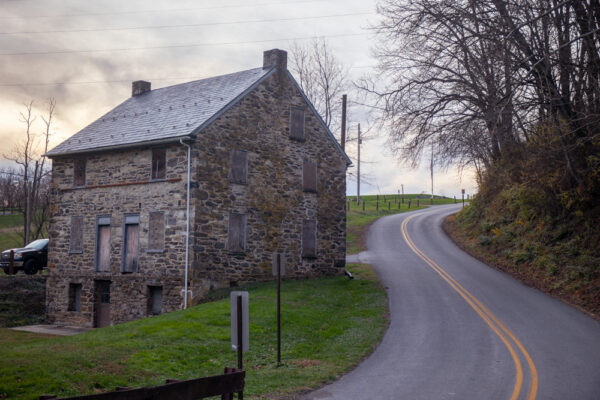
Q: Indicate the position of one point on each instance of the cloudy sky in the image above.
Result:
(85, 55)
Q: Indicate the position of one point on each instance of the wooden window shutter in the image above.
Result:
(79, 172)
(159, 164)
(309, 238)
(239, 167)
(103, 248)
(131, 243)
(76, 241)
(309, 176)
(297, 124)
(236, 236)
(156, 231)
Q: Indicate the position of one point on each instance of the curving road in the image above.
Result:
(462, 330)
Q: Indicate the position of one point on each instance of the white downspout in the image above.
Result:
(187, 225)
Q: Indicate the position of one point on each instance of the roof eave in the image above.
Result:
(51, 154)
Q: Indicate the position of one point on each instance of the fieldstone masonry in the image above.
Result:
(118, 184)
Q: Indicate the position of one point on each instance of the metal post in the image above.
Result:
(240, 340)
(278, 309)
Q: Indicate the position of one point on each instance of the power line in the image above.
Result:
(137, 12)
(180, 46)
(190, 25)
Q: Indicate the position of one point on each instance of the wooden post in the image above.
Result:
(363, 205)
(278, 309)
(417, 202)
(409, 204)
(389, 205)
(240, 342)
(377, 204)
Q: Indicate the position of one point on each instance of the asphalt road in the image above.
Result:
(462, 330)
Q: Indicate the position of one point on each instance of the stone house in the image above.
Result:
(191, 187)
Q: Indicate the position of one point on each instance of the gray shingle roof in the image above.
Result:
(162, 114)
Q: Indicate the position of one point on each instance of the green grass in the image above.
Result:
(10, 240)
(11, 220)
(22, 300)
(357, 220)
(328, 326)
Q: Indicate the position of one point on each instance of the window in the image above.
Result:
(309, 238)
(156, 231)
(74, 297)
(76, 241)
(131, 233)
(297, 124)
(236, 236)
(159, 163)
(103, 244)
(154, 300)
(79, 172)
(309, 176)
(239, 167)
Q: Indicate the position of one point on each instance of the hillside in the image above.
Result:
(556, 252)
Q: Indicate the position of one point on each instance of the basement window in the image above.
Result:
(74, 297)
(155, 294)
(159, 164)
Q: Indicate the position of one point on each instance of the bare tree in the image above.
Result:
(322, 77)
(29, 154)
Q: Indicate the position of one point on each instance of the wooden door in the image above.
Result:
(102, 306)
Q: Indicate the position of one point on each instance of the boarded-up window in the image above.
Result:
(131, 243)
(297, 124)
(236, 236)
(156, 231)
(155, 300)
(74, 297)
(103, 245)
(309, 176)
(159, 164)
(309, 238)
(79, 172)
(239, 167)
(76, 241)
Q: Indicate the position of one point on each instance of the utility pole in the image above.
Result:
(343, 135)
(358, 169)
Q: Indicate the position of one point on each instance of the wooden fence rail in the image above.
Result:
(219, 385)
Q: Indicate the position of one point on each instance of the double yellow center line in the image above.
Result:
(490, 319)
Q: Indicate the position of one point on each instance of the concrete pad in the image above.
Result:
(59, 330)
(364, 257)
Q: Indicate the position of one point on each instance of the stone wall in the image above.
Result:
(273, 200)
(118, 197)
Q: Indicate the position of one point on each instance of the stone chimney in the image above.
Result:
(139, 87)
(275, 58)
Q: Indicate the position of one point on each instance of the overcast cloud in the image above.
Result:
(85, 55)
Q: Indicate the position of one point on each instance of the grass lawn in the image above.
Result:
(11, 220)
(358, 221)
(328, 326)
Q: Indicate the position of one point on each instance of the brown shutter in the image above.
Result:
(76, 242)
(131, 247)
(159, 164)
(236, 236)
(297, 124)
(239, 166)
(309, 176)
(156, 231)
(103, 255)
(309, 238)
(79, 172)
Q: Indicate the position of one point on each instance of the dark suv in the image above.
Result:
(30, 258)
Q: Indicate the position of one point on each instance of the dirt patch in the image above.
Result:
(586, 298)
(22, 300)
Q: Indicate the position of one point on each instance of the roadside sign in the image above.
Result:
(281, 263)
